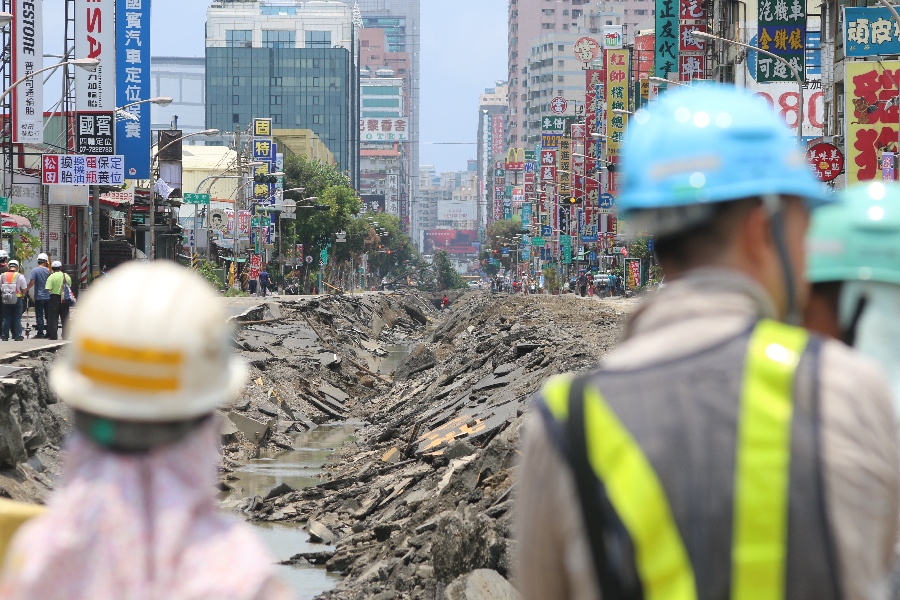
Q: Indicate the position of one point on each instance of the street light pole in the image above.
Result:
(797, 75)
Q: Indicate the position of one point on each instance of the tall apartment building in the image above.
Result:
(529, 20)
(400, 21)
(293, 61)
(493, 102)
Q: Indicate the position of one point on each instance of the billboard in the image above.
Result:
(617, 89)
(133, 85)
(498, 134)
(384, 130)
(452, 241)
(27, 52)
(871, 124)
(456, 211)
(372, 203)
(80, 169)
(95, 37)
(782, 31)
(666, 38)
(869, 31)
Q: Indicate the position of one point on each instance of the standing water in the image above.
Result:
(299, 468)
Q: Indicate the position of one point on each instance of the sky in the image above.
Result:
(463, 46)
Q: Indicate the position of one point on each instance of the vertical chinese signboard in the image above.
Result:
(27, 52)
(565, 167)
(782, 31)
(133, 85)
(691, 62)
(95, 37)
(666, 60)
(871, 125)
(617, 64)
(94, 133)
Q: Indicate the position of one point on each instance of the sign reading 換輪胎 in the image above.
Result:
(82, 170)
(27, 52)
(870, 31)
(133, 85)
(781, 30)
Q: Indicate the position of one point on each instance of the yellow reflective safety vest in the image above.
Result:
(701, 478)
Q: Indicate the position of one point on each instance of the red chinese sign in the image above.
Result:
(871, 121)
(826, 161)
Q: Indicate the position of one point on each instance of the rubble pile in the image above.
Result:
(420, 505)
(308, 363)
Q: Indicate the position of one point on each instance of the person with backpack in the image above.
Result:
(38, 280)
(61, 298)
(13, 287)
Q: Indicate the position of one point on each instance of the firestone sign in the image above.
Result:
(27, 50)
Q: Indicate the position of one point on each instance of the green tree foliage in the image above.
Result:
(314, 176)
(394, 253)
(26, 244)
(445, 275)
(500, 233)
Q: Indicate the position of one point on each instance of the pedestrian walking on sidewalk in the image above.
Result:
(13, 288)
(134, 514)
(263, 283)
(721, 451)
(38, 281)
(60, 300)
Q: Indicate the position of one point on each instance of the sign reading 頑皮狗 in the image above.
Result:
(870, 31)
(781, 30)
(133, 85)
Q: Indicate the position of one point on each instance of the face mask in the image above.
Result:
(878, 327)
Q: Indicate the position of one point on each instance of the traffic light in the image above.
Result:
(261, 178)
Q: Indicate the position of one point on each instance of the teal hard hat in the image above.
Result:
(858, 237)
(708, 144)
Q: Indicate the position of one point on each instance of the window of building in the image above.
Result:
(640, 11)
(566, 12)
(276, 119)
(318, 39)
(559, 92)
(560, 78)
(315, 81)
(565, 26)
(560, 63)
(546, 25)
(275, 81)
(548, 11)
(381, 102)
(278, 38)
(316, 119)
(561, 48)
(316, 100)
(235, 118)
(381, 90)
(576, 13)
(275, 100)
(238, 38)
(235, 99)
(235, 81)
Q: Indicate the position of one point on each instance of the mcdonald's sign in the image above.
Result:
(517, 162)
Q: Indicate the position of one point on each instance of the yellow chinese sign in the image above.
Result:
(565, 166)
(617, 62)
(871, 120)
(262, 127)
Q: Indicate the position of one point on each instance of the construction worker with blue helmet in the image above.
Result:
(720, 451)
(854, 268)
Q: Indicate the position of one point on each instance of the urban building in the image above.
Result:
(382, 168)
(493, 107)
(303, 142)
(294, 62)
(400, 21)
(184, 80)
(533, 19)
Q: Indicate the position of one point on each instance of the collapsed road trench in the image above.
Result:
(375, 445)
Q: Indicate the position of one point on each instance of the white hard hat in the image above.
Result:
(43, 256)
(14, 263)
(4, 254)
(137, 354)
(56, 265)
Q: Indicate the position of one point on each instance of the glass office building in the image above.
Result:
(298, 88)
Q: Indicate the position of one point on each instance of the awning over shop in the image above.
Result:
(15, 221)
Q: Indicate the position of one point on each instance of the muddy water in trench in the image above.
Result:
(300, 468)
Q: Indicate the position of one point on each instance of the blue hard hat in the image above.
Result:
(708, 144)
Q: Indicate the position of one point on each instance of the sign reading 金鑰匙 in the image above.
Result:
(781, 30)
(95, 133)
(384, 130)
(80, 169)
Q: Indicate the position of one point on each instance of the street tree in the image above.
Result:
(445, 275)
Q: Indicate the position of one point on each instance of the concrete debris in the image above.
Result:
(320, 534)
(481, 584)
(420, 505)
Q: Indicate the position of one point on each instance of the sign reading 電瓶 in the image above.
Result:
(85, 170)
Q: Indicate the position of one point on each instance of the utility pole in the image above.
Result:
(95, 232)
